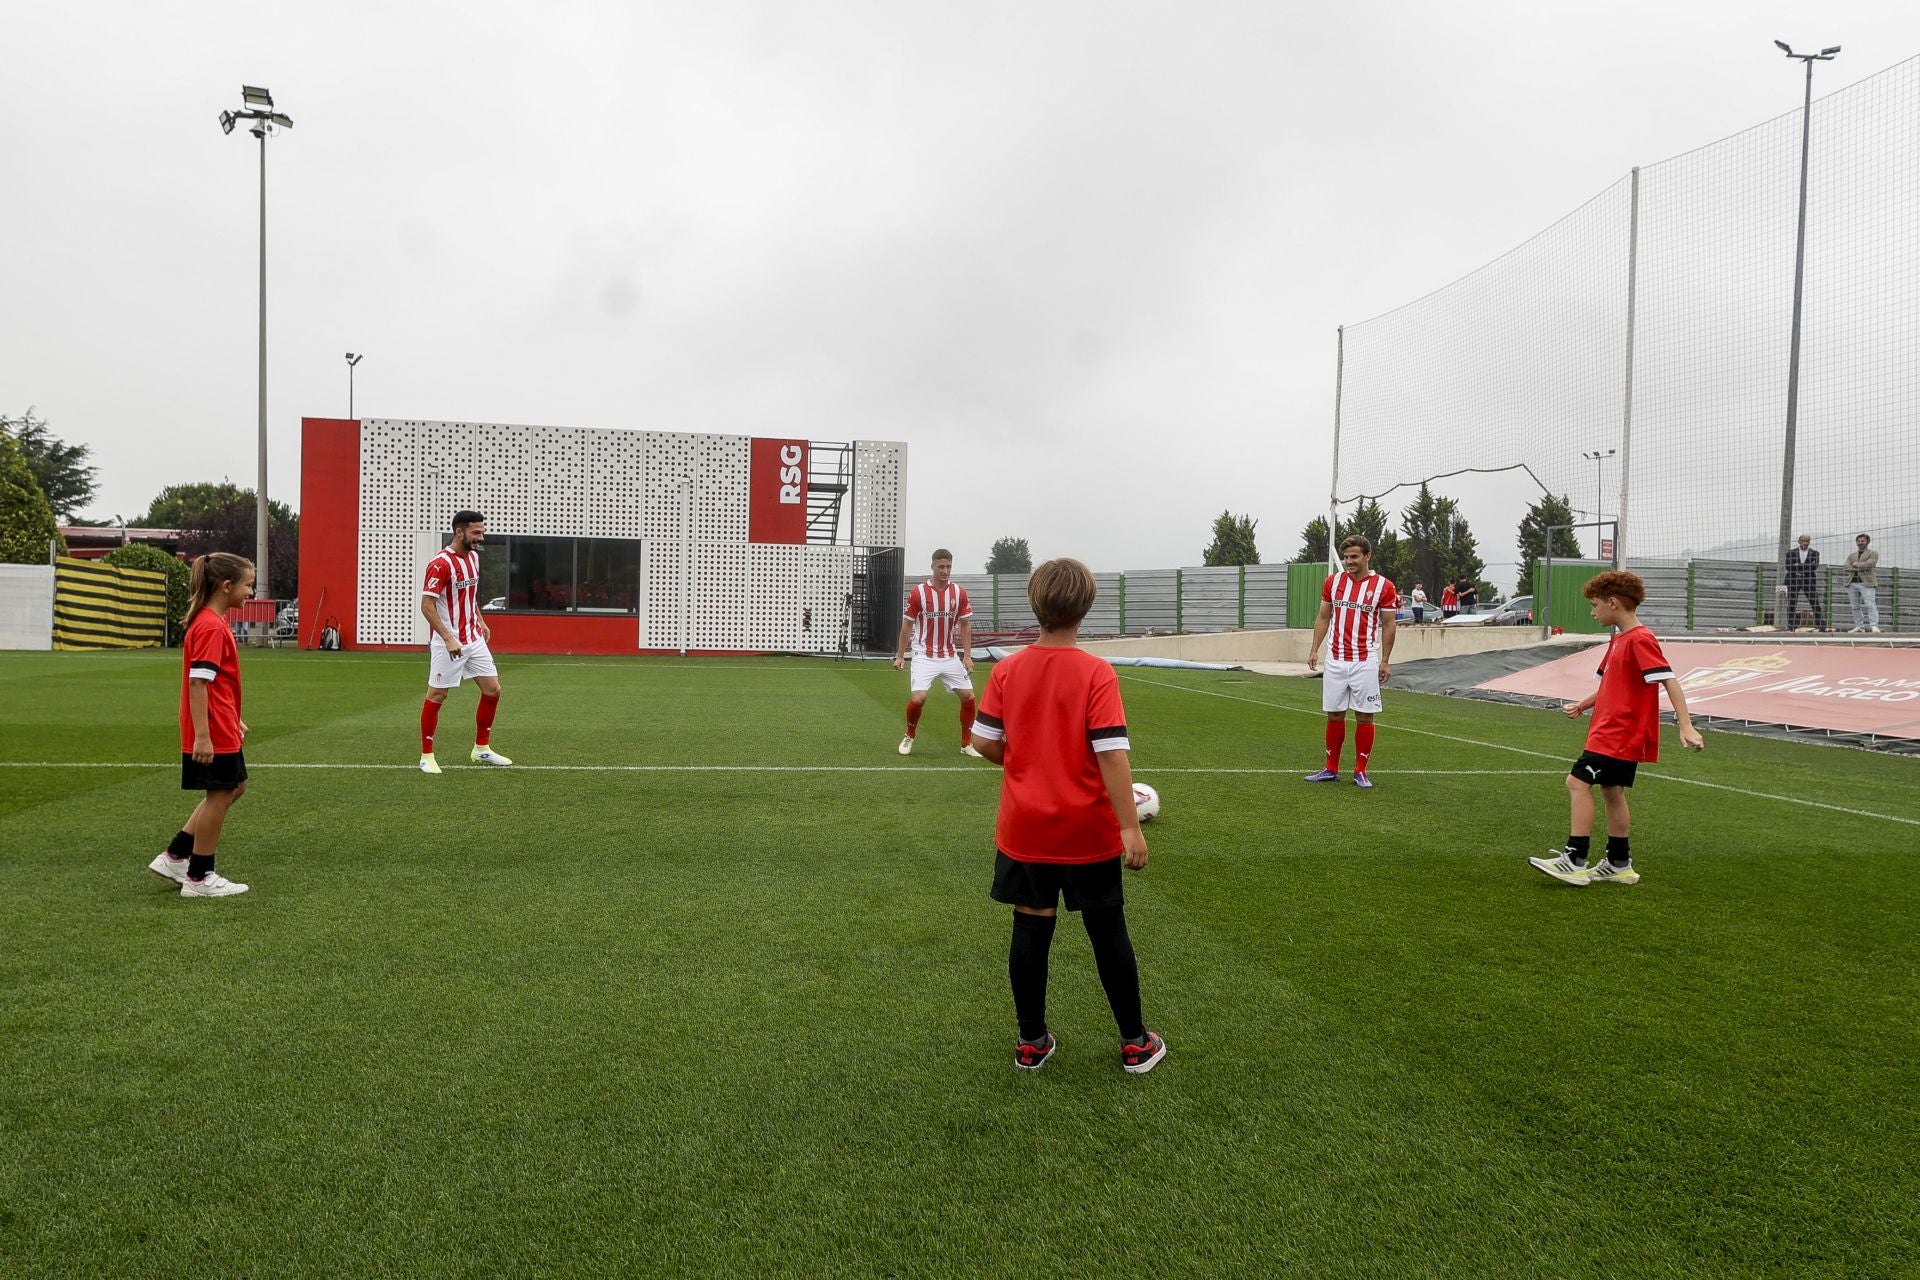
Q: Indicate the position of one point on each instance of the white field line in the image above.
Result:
(905, 769)
(1545, 755)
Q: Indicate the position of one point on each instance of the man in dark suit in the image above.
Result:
(1803, 579)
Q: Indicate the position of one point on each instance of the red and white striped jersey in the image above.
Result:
(936, 614)
(1353, 634)
(454, 580)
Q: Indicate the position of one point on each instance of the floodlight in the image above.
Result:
(1828, 53)
(256, 97)
(226, 122)
(285, 122)
(1784, 47)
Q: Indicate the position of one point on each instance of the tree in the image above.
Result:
(1463, 559)
(1313, 542)
(26, 519)
(1232, 541)
(1532, 542)
(1010, 555)
(60, 469)
(137, 555)
(223, 517)
(1427, 523)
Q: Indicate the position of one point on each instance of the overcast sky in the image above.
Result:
(1086, 259)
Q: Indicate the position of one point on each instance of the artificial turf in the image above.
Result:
(732, 1000)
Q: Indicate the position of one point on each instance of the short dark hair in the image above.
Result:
(941, 553)
(1617, 583)
(1357, 540)
(1867, 536)
(461, 519)
(1061, 591)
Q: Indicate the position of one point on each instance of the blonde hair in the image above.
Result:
(1061, 591)
(210, 572)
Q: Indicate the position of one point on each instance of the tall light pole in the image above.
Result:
(352, 360)
(1793, 357)
(258, 107)
(1599, 460)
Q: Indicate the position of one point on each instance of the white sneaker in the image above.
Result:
(174, 869)
(1558, 865)
(428, 764)
(214, 886)
(969, 751)
(1854, 631)
(1603, 871)
(1875, 630)
(906, 745)
(487, 755)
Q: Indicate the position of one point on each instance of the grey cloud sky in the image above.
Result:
(1086, 259)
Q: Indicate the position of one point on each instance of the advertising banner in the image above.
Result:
(1854, 689)
(777, 503)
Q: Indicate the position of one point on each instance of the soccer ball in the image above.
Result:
(1147, 801)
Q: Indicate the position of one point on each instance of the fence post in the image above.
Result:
(1826, 581)
(1896, 603)
(1690, 595)
(1759, 593)
(1242, 624)
(1179, 622)
(1123, 604)
(996, 602)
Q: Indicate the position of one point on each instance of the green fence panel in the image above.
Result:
(1565, 606)
(1303, 593)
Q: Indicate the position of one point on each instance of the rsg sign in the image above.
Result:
(777, 496)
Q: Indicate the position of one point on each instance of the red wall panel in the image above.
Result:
(329, 526)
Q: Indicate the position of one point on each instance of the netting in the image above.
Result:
(1499, 387)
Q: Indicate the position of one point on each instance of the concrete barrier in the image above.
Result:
(1410, 644)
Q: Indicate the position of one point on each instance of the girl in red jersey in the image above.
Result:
(211, 730)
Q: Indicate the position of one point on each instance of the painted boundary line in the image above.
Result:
(1543, 755)
(904, 770)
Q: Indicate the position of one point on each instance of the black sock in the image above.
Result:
(182, 845)
(1617, 851)
(1119, 971)
(1577, 847)
(1027, 969)
(198, 865)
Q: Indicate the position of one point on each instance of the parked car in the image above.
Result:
(498, 602)
(1517, 612)
(1478, 618)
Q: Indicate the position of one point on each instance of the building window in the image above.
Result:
(559, 575)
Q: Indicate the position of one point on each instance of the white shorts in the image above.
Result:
(446, 671)
(948, 671)
(1351, 686)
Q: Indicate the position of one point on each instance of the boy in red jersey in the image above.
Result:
(1357, 615)
(211, 730)
(1624, 732)
(938, 624)
(1052, 718)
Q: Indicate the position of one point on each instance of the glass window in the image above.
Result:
(606, 575)
(570, 575)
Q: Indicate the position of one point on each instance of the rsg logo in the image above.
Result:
(791, 456)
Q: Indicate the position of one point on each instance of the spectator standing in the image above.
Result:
(1468, 595)
(1419, 602)
(1803, 578)
(1862, 587)
(1449, 602)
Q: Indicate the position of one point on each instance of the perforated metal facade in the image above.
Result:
(683, 497)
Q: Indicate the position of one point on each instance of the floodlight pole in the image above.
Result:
(352, 360)
(1780, 620)
(1598, 457)
(263, 589)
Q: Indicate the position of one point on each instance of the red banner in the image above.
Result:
(777, 502)
(1855, 689)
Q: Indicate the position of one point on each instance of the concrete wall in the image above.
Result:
(1410, 644)
(26, 606)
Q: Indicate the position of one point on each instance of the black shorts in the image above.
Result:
(1602, 771)
(1042, 884)
(226, 772)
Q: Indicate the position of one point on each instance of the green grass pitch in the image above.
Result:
(727, 997)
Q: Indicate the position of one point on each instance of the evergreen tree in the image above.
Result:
(26, 520)
(60, 469)
(1313, 542)
(1010, 555)
(1233, 541)
(1533, 537)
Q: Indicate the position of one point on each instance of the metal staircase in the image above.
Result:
(829, 481)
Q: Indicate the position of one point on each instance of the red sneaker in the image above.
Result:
(1031, 1055)
(1142, 1056)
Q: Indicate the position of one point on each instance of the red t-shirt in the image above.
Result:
(1626, 716)
(211, 656)
(1055, 709)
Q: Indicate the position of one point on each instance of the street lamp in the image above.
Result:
(1793, 357)
(352, 360)
(1599, 461)
(258, 107)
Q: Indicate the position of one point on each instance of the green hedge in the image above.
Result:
(179, 576)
